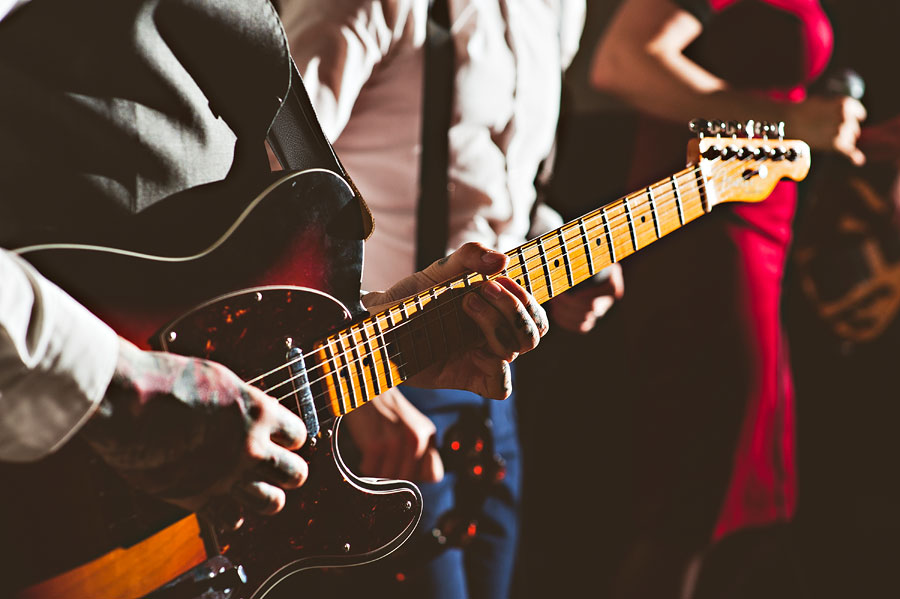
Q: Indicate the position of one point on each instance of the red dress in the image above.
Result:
(709, 368)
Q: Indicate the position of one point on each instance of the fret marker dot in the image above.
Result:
(519, 282)
(644, 218)
(556, 263)
(598, 241)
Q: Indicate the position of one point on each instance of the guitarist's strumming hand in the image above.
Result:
(191, 432)
(510, 319)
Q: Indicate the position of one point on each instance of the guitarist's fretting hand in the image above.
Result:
(510, 319)
(190, 431)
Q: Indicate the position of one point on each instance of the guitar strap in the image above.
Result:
(434, 202)
(298, 142)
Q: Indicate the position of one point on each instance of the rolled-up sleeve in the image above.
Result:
(56, 361)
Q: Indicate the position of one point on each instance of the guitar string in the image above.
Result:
(349, 360)
(619, 223)
(364, 353)
(330, 415)
(441, 289)
(378, 371)
(614, 225)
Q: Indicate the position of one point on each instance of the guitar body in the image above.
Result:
(283, 270)
(228, 299)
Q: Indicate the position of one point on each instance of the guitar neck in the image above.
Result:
(557, 261)
(368, 358)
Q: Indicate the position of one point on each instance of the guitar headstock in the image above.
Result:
(744, 161)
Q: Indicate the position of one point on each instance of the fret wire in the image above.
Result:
(404, 313)
(358, 366)
(609, 239)
(367, 343)
(400, 362)
(565, 256)
(630, 220)
(587, 246)
(382, 346)
(653, 212)
(678, 201)
(545, 266)
(701, 191)
(345, 372)
(336, 382)
(525, 275)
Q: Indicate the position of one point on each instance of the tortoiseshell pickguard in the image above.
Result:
(335, 518)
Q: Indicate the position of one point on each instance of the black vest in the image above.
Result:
(108, 106)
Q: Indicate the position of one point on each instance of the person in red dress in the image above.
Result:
(709, 372)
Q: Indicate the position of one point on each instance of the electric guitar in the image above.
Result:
(311, 345)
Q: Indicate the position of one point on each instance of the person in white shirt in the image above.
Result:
(362, 62)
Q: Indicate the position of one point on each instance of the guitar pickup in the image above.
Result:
(305, 401)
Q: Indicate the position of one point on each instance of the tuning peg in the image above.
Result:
(791, 155)
(778, 153)
(764, 153)
(750, 128)
(730, 152)
(745, 153)
(718, 128)
(775, 130)
(734, 128)
(700, 127)
(712, 152)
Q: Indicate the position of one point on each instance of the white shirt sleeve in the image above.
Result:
(8, 6)
(56, 361)
(338, 44)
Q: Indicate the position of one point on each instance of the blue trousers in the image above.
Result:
(483, 567)
(425, 568)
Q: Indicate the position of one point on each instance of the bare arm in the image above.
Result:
(641, 59)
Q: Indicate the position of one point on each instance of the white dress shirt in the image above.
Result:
(56, 361)
(8, 6)
(362, 63)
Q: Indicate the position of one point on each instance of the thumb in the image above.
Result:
(470, 257)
